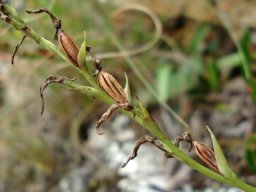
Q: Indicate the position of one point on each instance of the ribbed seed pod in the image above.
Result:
(205, 153)
(68, 46)
(111, 86)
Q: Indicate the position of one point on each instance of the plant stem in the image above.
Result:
(133, 65)
(46, 44)
(153, 128)
(139, 114)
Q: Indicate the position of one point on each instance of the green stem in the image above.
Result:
(139, 114)
(148, 123)
(153, 129)
(133, 65)
(48, 45)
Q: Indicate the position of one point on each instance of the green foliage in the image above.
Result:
(250, 153)
(223, 166)
(170, 80)
(82, 54)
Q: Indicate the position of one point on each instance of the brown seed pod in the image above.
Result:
(68, 46)
(205, 153)
(111, 86)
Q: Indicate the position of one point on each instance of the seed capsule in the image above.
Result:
(111, 86)
(68, 46)
(205, 153)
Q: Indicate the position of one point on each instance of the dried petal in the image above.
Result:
(186, 137)
(17, 48)
(50, 79)
(56, 22)
(143, 140)
(206, 154)
(108, 113)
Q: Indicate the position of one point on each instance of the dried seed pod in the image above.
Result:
(68, 46)
(111, 86)
(205, 153)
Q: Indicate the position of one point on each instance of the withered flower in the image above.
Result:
(51, 79)
(206, 154)
(185, 137)
(111, 86)
(146, 139)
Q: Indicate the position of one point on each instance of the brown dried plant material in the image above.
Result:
(206, 154)
(50, 79)
(107, 114)
(143, 140)
(17, 48)
(186, 137)
(66, 42)
(68, 46)
(56, 22)
(111, 86)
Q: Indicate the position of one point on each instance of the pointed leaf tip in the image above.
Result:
(127, 89)
(220, 157)
(82, 54)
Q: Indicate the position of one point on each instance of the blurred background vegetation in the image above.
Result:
(197, 57)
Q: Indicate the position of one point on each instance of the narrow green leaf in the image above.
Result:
(163, 81)
(127, 89)
(198, 38)
(213, 77)
(245, 55)
(250, 153)
(223, 166)
(82, 54)
(229, 61)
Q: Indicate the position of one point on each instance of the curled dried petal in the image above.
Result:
(50, 79)
(56, 22)
(186, 137)
(206, 154)
(64, 39)
(108, 113)
(146, 139)
(17, 48)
